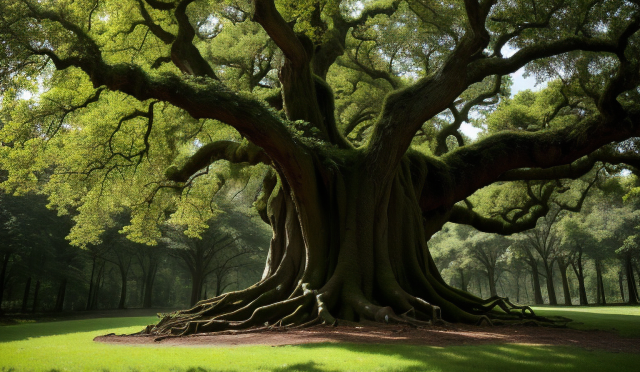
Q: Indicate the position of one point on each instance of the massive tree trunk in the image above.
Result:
(347, 249)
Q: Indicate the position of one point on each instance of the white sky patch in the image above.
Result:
(520, 83)
(470, 131)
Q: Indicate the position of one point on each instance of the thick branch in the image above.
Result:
(370, 12)
(183, 53)
(466, 216)
(484, 162)
(163, 35)
(266, 14)
(462, 115)
(234, 152)
(576, 169)
(503, 39)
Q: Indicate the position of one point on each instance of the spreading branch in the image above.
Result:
(184, 54)
(266, 14)
(234, 152)
(462, 115)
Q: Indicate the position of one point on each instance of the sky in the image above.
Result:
(519, 83)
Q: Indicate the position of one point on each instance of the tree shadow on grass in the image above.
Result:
(32, 330)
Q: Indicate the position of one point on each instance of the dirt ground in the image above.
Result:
(394, 334)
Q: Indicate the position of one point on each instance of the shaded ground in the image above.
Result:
(19, 318)
(393, 334)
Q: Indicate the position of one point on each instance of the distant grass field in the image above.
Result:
(625, 320)
(68, 346)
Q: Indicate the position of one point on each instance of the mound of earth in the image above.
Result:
(395, 334)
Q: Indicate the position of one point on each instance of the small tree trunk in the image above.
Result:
(3, 273)
(464, 282)
(551, 290)
(25, 298)
(535, 278)
(196, 288)
(631, 283)
(35, 296)
(565, 286)
(526, 291)
(600, 297)
(148, 285)
(492, 282)
(620, 285)
(577, 268)
(60, 298)
(98, 284)
(218, 287)
(90, 295)
(123, 289)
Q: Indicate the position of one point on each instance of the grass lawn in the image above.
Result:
(625, 320)
(68, 346)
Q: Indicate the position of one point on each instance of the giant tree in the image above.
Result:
(141, 97)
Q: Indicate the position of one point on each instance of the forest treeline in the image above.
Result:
(581, 254)
(43, 272)
(587, 256)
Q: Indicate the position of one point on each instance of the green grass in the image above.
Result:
(625, 320)
(68, 346)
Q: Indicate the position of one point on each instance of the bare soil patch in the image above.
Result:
(394, 334)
